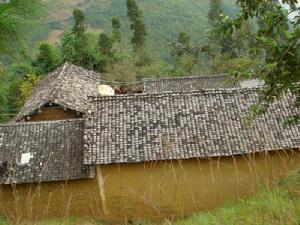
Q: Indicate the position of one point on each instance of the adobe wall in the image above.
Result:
(34, 202)
(148, 190)
(54, 114)
(166, 189)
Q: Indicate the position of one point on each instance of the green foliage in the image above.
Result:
(116, 32)
(68, 47)
(185, 56)
(277, 43)
(184, 39)
(163, 20)
(215, 12)
(79, 27)
(105, 57)
(105, 45)
(16, 19)
(122, 72)
(218, 43)
(139, 33)
(81, 54)
(3, 221)
(47, 59)
(10, 81)
(3, 99)
(25, 88)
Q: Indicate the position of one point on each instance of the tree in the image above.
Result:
(16, 20)
(116, 29)
(185, 55)
(79, 27)
(104, 53)
(47, 59)
(221, 46)
(29, 82)
(105, 45)
(139, 32)
(3, 97)
(68, 47)
(82, 55)
(215, 12)
(212, 48)
(278, 42)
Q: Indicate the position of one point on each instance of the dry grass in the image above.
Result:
(272, 205)
(279, 205)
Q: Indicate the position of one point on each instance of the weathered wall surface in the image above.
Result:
(49, 200)
(54, 114)
(164, 189)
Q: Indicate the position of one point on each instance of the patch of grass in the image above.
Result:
(3, 221)
(69, 221)
(279, 205)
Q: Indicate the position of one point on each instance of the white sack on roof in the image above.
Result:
(105, 90)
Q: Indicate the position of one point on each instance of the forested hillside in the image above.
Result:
(127, 40)
(163, 19)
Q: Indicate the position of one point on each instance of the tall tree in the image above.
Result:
(185, 55)
(105, 45)
(139, 32)
(68, 47)
(218, 44)
(116, 29)
(82, 56)
(104, 53)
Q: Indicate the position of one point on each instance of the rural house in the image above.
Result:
(62, 94)
(150, 155)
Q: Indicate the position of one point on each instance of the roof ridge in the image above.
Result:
(187, 77)
(42, 122)
(57, 84)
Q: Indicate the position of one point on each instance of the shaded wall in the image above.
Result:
(166, 189)
(49, 200)
(54, 114)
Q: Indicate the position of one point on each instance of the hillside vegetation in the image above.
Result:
(163, 19)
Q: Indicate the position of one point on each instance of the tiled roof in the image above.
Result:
(68, 86)
(165, 126)
(55, 150)
(182, 84)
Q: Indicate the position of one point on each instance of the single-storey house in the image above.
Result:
(151, 155)
(62, 94)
